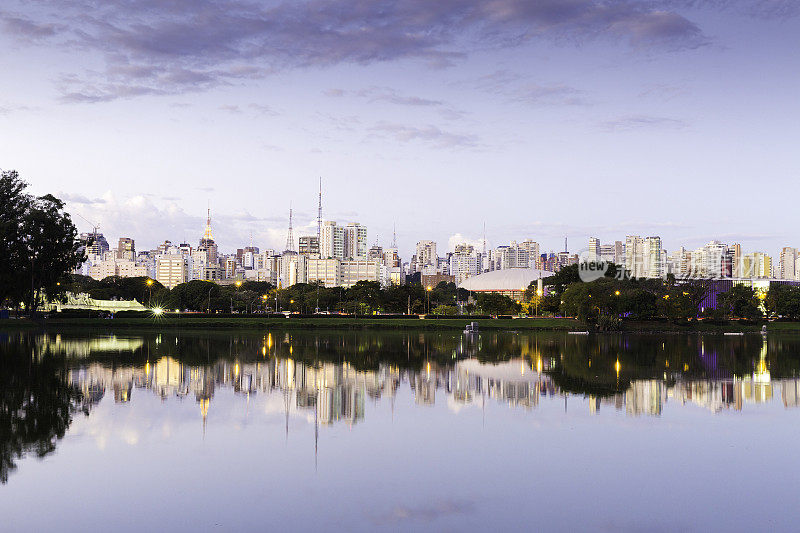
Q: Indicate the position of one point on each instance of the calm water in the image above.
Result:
(396, 431)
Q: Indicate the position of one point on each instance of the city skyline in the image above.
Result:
(546, 120)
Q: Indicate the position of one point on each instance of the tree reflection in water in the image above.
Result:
(36, 402)
(46, 378)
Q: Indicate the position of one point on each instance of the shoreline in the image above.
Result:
(352, 323)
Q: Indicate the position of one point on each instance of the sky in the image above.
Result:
(540, 119)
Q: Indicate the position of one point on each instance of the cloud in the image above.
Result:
(153, 47)
(27, 29)
(151, 220)
(459, 238)
(7, 109)
(516, 87)
(633, 122)
(549, 94)
(384, 94)
(426, 513)
(663, 92)
(262, 109)
(429, 134)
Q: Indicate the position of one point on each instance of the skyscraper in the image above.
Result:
(634, 255)
(126, 249)
(594, 249)
(788, 263)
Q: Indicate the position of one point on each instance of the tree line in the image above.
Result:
(616, 296)
(363, 298)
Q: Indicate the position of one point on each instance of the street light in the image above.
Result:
(150, 287)
(539, 293)
(428, 290)
(238, 284)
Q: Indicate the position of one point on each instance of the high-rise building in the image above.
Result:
(207, 243)
(756, 265)
(463, 263)
(126, 249)
(652, 254)
(331, 243)
(355, 241)
(95, 243)
(788, 263)
(171, 269)
(736, 259)
(325, 271)
(309, 245)
(355, 270)
(634, 255)
(426, 255)
(594, 250)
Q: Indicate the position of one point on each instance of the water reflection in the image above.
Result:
(331, 376)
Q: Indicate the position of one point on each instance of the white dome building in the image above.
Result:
(508, 282)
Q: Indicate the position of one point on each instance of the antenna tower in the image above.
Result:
(290, 234)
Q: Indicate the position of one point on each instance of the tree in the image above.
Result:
(497, 304)
(783, 301)
(38, 244)
(740, 301)
(13, 205)
(37, 403)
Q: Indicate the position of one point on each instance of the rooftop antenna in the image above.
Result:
(290, 234)
(484, 238)
(95, 227)
(566, 249)
(394, 236)
(207, 236)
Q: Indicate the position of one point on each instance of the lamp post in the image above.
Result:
(428, 290)
(538, 297)
(238, 284)
(150, 288)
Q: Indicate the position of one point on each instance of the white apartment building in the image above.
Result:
(634, 255)
(353, 271)
(292, 269)
(788, 266)
(172, 270)
(426, 255)
(328, 271)
(464, 264)
(653, 252)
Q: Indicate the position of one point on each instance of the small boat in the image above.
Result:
(578, 332)
(736, 333)
(471, 328)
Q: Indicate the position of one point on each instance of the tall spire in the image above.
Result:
(207, 235)
(484, 238)
(394, 236)
(290, 234)
(319, 211)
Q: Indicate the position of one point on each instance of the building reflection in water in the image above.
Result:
(336, 392)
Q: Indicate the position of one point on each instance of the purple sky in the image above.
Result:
(539, 118)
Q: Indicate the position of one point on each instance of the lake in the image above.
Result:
(369, 430)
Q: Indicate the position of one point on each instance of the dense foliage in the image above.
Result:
(38, 244)
(364, 298)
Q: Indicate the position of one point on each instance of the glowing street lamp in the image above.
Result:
(428, 290)
(150, 287)
(539, 293)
